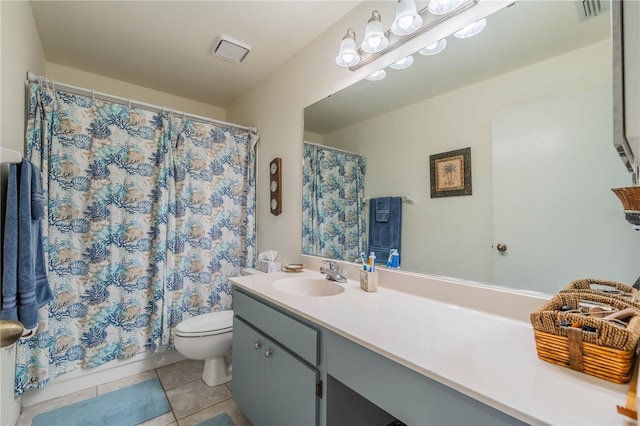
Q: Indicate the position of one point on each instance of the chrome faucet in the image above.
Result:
(333, 272)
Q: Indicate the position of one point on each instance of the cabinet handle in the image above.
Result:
(268, 352)
(257, 345)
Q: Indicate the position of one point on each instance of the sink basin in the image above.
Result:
(310, 287)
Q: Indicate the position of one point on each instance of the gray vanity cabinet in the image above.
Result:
(272, 383)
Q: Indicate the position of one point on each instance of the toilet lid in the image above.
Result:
(207, 322)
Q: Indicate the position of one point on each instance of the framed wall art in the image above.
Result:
(451, 173)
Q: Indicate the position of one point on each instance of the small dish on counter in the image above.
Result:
(294, 267)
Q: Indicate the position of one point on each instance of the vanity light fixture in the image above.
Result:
(408, 24)
(375, 39)
(407, 19)
(403, 63)
(378, 75)
(433, 48)
(471, 30)
(348, 54)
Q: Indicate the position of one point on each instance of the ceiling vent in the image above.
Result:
(588, 9)
(230, 49)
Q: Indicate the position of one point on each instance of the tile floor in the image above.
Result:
(192, 401)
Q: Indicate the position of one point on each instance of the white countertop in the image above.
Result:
(487, 357)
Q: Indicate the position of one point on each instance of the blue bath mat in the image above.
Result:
(128, 406)
(221, 419)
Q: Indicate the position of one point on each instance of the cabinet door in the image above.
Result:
(290, 389)
(248, 370)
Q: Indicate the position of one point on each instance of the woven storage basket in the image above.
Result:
(629, 196)
(608, 352)
(618, 291)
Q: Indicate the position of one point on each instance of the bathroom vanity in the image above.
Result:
(397, 355)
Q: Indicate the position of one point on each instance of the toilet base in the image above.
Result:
(217, 371)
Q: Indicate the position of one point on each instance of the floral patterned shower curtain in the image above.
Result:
(148, 215)
(333, 218)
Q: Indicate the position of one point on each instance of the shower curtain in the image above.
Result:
(333, 216)
(148, 215)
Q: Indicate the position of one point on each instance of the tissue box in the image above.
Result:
(268, 266)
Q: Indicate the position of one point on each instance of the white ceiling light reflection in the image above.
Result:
(403, 63)
(471, 30)
(378, 75)
(434, 48)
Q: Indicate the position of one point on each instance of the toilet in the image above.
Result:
(208, 337)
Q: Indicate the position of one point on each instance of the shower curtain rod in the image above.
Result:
(330, 148)
(32, 78)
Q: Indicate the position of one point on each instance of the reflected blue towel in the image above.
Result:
(384, 236)
(382, 209)
(25, 287)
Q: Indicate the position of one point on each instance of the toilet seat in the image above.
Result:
(206, 325)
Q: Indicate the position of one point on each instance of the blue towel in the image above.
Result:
(25, 287)
(385, 235)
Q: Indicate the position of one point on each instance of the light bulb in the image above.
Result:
(403, 63)
(374, 38)
(348, 53)
(434, 48)
(405, 22)
(442, 7)
(407, 19)
(472, 29)
(378, 75)
(374, 41)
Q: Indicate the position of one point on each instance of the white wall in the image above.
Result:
(313, 137)
(276, 107)
(100, 83)
(21, 51)
(453, 236)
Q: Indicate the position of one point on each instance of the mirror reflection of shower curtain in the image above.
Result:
(333, 214)
(148, 216)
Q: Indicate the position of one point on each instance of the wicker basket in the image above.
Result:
(630, 197)
(618, 291)
(599, 361)
(607, 351)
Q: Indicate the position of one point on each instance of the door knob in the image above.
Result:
(257, 345)
(268, 353)
(10, 332)
(502, 247)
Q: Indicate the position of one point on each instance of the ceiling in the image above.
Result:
(525, 33)
(165, 45)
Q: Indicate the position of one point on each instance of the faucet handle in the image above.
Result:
(333, 266)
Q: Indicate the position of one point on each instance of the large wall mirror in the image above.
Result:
(531, 96)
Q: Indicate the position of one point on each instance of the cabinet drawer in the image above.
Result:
(294, 335)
